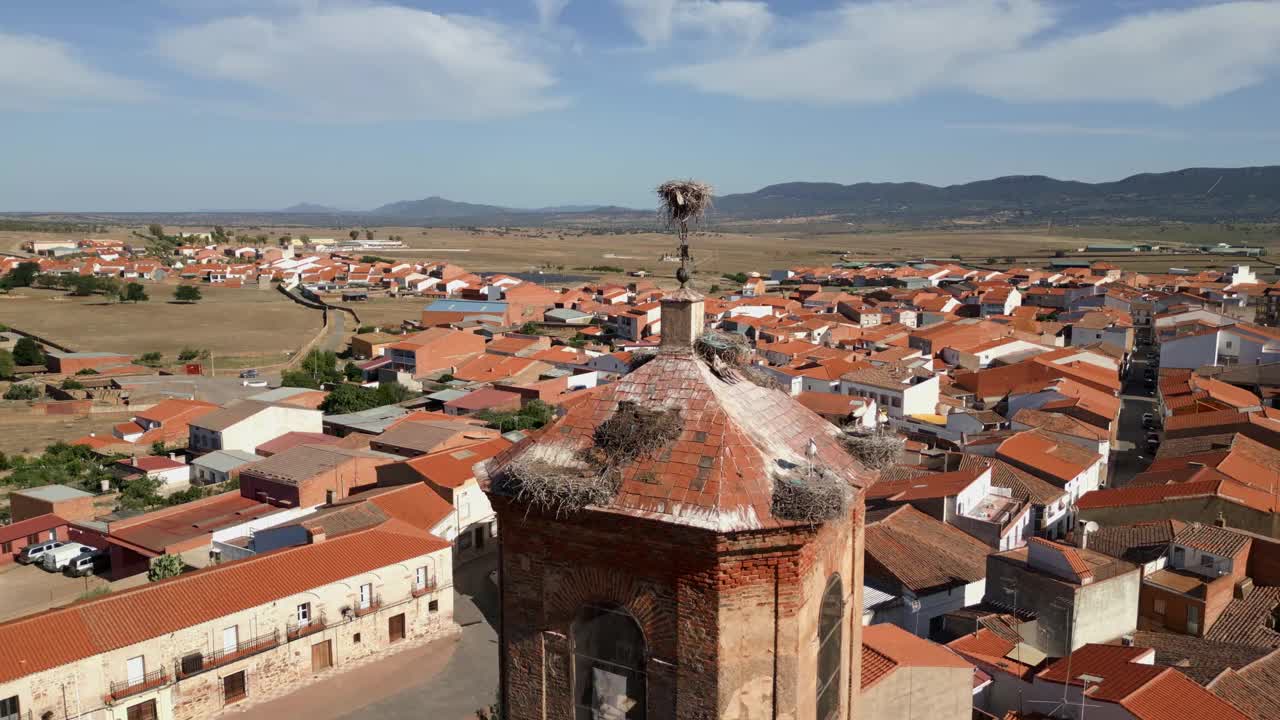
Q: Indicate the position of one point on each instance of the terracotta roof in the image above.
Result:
(1148, 692)
(1022, 484)
(1041, 454)
(1069, 555)
(1060, 423)
(1202, 660)
(907, 548)
(430, 436)
(1244, 620)
(1254, 688)
(719, 473)
(1212, 539)
(30, 526)
(294, 439)
(990, 648)
(830, 403)
(1146, 494)
(303, 462)
(1139, 543)
(923, 487)
(453, 468)
(887, 647)
(57, 637)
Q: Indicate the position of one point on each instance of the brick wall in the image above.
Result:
(730, 621)
(24, 507)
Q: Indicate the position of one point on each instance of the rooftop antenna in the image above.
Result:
(681, 201)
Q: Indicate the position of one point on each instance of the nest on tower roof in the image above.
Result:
(683, 200)
(563, 480)
(809, 494)
(728, 355)
(875, 449)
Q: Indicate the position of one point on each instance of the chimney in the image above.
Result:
(683, 313)
(317, 535)
(1221, 521)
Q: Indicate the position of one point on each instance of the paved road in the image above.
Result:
(335, 338)
(1131, 452)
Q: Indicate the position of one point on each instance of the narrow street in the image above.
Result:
(1131, 452)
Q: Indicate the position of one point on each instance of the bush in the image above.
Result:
(72, 384)
(150, 359)
(532, 415)
(348, 398)
(736, 277)
(27, 352)
(22, 392)
(713, 289)
(188, 354)
(61, 464)
(187, 294)
(353, 373)
(6, 364)
(87, 371)
(164, 567)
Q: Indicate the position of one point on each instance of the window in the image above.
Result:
(1193, 620)
(9, 708)
(493, 529)
(1179, 557)
(234, 688)
(1159, 606)
(356, 638)
(304, 613)
(33, 539)
(433, 606)
(830, 640)
(1206, 560)
(142, 711)
(6, 548)
(420, 578)
(608, 665)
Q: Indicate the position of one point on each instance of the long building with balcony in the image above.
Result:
(236, 633)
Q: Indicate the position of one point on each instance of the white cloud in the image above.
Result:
(38, 72)
(1071, 129)
(657, 21)
(370, 62)
(1015, 50)
(549, 11)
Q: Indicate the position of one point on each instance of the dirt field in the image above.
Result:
(25, 433)
(242, 326)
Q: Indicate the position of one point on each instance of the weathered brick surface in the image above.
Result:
(730, 620)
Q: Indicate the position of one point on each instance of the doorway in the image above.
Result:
(322, 656)
(395, 627)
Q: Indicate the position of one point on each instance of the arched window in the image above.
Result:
(608, 665)
(830, 640)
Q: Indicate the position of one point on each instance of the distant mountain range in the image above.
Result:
(1193, 195)
(1251, 193)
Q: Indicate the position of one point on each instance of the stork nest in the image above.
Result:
(683, 200)
(728, 355)
(811, 495)
(875, 449)
(565, 481)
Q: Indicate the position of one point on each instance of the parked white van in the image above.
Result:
(56, 559)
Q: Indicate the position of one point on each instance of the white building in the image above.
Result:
(246, 424)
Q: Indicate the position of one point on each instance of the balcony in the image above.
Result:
(426, 588)
(295, 630)
(374, 605)
(127, 688)
(196, 663)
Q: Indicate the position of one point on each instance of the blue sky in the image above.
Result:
(194, 104)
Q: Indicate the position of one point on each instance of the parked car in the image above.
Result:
(56, 559)
(32, 553)
(1148, 420)
(249, 374)
(87, 563)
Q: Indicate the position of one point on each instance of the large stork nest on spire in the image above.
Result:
(875, 449)
(728, 355)
(683, 200)
(809, 494)
(563, 480)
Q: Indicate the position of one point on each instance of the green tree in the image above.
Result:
(72, 384)
(27, 352)
(156, 230)
(188, 354)
(157, 447)
(141, 493)
(83, 285)
(186, 294)
(23, 275)
(134, 293)
(164, 567)
(6, 364)
(354, 235)
(150, 359)
(392, 393)
(298, 379)
(348, 398)
(60, 464)
(22, 391)
(533, 414)
(353, 373)
(368, 234)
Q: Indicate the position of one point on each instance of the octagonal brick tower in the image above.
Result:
(684, 596)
